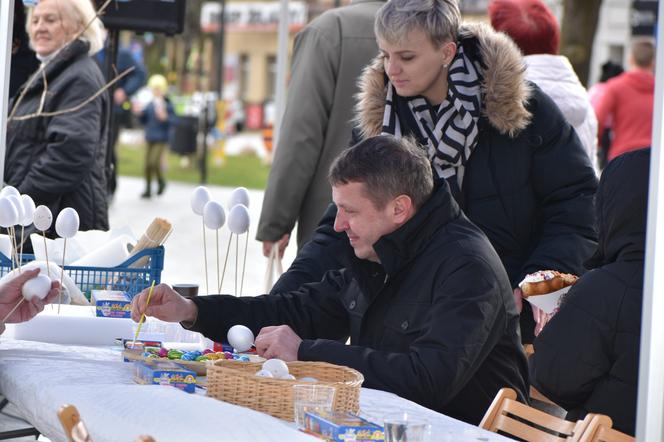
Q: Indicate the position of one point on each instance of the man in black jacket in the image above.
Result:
(423, 295)
(587, 358)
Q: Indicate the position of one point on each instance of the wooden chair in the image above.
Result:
(600, 430)
(509, 417)
(75, 428)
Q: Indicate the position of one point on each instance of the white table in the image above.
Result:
(38, 378)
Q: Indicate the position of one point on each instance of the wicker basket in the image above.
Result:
(236, 382)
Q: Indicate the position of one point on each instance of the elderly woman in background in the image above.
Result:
(514, 164)
(56, 134)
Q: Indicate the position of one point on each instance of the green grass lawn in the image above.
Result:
(242, 170)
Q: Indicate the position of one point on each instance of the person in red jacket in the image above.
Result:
(628, 99)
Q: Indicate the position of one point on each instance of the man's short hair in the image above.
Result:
(529, 23)
(388, 167)
(643, 52)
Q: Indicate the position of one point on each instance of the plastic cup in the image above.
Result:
(311, 398)
(186, 290)
(404, 427)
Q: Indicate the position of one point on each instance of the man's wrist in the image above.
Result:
(191, 314)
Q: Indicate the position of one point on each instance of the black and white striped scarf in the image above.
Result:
(451, 130)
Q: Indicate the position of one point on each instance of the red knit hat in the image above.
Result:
(530, 23)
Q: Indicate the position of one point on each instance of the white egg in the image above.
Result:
(214, 215)
(39, 286)
(290, 377)
(16, 201)
(277, 367)
(199, 197)
(9, 190)
(28, 210)
(264, 374)
(308, 379)
(240, 337)
(239, 196)
(67, 222)
(8, 213)
(43, 218)
(238, 219)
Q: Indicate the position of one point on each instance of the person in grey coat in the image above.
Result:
(328, 57)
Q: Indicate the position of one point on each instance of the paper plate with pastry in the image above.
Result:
(544, 289)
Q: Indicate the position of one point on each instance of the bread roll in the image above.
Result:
(545, 281)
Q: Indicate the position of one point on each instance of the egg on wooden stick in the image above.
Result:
(9, 217)
(9, 190)
(238, 224)
(240, 195)
(240, 337)
(42, 219)
(28, 214)
(38, 286)
(214, 218)
(66, 226)
(199, 197)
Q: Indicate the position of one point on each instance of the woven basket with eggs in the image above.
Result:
(236, 382)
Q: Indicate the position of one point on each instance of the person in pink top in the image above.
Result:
(628, 100)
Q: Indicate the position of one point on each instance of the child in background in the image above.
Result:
(156, 117)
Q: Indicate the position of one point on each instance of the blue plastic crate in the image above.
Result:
(123, 277)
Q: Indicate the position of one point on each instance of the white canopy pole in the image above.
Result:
(6, 22)
(282, 67)
(650, 410)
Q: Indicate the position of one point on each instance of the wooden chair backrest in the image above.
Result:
(508, 416)
(600, 430)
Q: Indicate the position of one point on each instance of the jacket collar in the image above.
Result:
(397, 249)
(504, 87)
(62, 60)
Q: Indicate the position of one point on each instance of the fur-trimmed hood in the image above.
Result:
(505, 90)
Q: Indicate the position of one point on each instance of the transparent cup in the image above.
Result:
(405, 427)
(311, 398)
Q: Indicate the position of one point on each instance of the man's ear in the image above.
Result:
(402, 209)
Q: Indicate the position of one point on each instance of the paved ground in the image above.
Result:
(184, 262)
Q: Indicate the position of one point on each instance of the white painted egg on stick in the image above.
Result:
(214, 215)
(238, 219)
(67, 223)
(16, 201)
(239, 196)
(8, 213)
(199, 197)
(43, 218)
(9, 190)
(240, 337)
(28, 210)
(39, 286)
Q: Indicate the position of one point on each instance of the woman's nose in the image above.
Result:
(392, 68)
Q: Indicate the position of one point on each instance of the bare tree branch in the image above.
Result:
(43, 65)
(78, 106)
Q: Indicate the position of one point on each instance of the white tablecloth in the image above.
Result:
(39, 378)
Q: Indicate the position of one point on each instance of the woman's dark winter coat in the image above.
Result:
(528, 185)
(435, 322)
(59, 160)
(587, 358)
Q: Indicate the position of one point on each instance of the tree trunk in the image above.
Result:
(578, 33)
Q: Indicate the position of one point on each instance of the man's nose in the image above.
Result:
(340, 224)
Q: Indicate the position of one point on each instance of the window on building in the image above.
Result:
(271, 77)
(244, 77)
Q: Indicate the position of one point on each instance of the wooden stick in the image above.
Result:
(20, 260)
(244, 263)
(237, 254)
(218, 268)
(15, 246)
(62, 274)
(140, 322)
(207, 285)
(48, 267)
(223, 272)
(12, 310)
